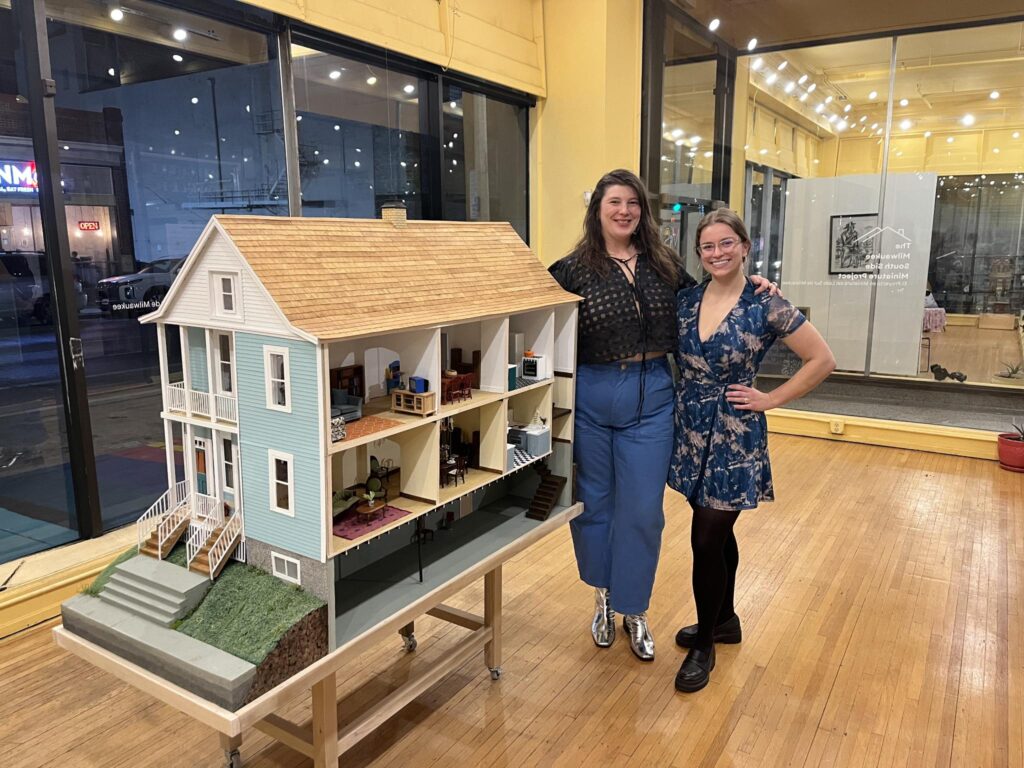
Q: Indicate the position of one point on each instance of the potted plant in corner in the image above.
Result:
(1011, 449)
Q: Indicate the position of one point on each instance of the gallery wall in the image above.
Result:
(839, 305)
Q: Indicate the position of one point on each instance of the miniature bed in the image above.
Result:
(380, 519)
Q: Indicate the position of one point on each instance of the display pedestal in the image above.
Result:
(384, 609)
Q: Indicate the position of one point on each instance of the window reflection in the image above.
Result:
(362, 135)
(156, 135)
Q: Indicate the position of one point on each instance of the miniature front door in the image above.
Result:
(202, 450)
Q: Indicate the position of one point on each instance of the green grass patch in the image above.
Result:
(247, 611)
(97, 586)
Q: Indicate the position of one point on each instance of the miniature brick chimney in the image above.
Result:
(393, 212)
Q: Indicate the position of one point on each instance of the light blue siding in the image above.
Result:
(261, 429)
(198, 370)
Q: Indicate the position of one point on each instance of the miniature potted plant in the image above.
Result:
(1011, 449)
(1011, 374)
(369, 496)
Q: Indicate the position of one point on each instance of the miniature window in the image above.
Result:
(286, 568)
(229, 464)
(282, 485)
(275, 365)
(224, 363)
(225, 290)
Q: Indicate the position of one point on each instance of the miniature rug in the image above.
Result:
(367, 425)
(350, 526)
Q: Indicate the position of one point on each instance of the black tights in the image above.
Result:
(715, 559)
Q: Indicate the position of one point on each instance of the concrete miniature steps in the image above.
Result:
(207, 671)
(155, 590)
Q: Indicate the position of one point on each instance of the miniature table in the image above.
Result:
(370, 618)
(368, 510)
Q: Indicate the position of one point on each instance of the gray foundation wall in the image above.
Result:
(316, 578)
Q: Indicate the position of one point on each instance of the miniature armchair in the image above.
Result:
(350, 405)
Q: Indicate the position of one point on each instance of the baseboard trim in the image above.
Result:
(31, 604)
(969, 321)
(951, 441)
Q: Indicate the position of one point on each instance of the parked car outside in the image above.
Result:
(143, 290)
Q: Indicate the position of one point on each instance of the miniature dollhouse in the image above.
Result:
(314, 352)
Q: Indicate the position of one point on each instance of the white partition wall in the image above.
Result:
(840, 305)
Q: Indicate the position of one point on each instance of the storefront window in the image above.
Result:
(156, 136)
(483, 170)
(36, 498)
(362, 135)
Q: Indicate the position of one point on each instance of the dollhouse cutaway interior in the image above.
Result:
(362, 404)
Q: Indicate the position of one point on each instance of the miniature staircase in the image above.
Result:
(177, 520)
(201, 562)
(546, 495)
(154, 589)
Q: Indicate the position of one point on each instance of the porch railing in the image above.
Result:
(199, 531)
(208, 507)
(151, 518)
(219, 550)
(192, 402)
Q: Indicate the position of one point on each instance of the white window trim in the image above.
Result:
(218, 295)
(219, 361)
(282, 573)
(226, 460)
(272, 456)
(268, 389)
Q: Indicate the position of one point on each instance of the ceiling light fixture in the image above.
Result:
(177, 57)
(756, 64)
(904, 102)
(906, 125)
(803, 96)
(967, 119)
(828, 100)
(873, 95)
(771, 78)
(335, 74)
(848, 107)
(371, 80)
(811, 87)
(117, 14)
(409, 88)
(820, 108)
(783, 65)
(949, 139)
(714, 24)
(802, 80)
(111, 72)
(1015, 134)
(195, 99)
(927, 134)
(180, 35)
(752, 44)
(994, 95)
(790, 87)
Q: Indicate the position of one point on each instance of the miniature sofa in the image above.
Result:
(350, 405)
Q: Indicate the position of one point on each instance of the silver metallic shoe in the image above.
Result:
(603, 626)
(640, 639)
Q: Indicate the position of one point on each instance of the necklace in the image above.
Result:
(621, 260)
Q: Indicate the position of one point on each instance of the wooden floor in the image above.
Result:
(881, 601)
(979, 353)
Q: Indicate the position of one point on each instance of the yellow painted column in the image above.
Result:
(589, 123)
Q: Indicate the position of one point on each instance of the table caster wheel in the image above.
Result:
(234, 759)
(495, 673)
(409, 641)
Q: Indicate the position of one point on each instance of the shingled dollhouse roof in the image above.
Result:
(340, 278)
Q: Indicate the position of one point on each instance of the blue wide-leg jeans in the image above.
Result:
(621, 471)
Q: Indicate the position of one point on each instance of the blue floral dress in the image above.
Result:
(720, 458)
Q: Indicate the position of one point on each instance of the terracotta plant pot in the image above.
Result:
(1011, 452)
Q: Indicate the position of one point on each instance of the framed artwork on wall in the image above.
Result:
(853, 241)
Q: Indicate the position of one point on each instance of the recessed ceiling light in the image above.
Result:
(996, 150)
(833, 118)
(763, 152)
(111, 72)
(708, 153)
(298, 118)
(927, 134)
(116, 14)
(714, 24)
(66, 147)
(177, 132)
(771, 78)
(803, 96)
(677, 132)
(994, 95)
(904, 102)
(790, 87)
(967, 119)
(452, 104)
(905, 125)
(195, 99)
(811, 87)
(873, 126)
(1015, 134)
(828, 100)
(783, 65)
(334, 74)
(842, 125)
(862, 118)
(752, 44)
(695, 139)
(455, 135)
(756, 64)
(820, 108)
(679, 142)
(180, 34)
(371, 80)
(409, 88)
(177, 57)
(337, 127)
(802, 80)
(873, 95)
(949, 139)
(359, 149)
(848, 107)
